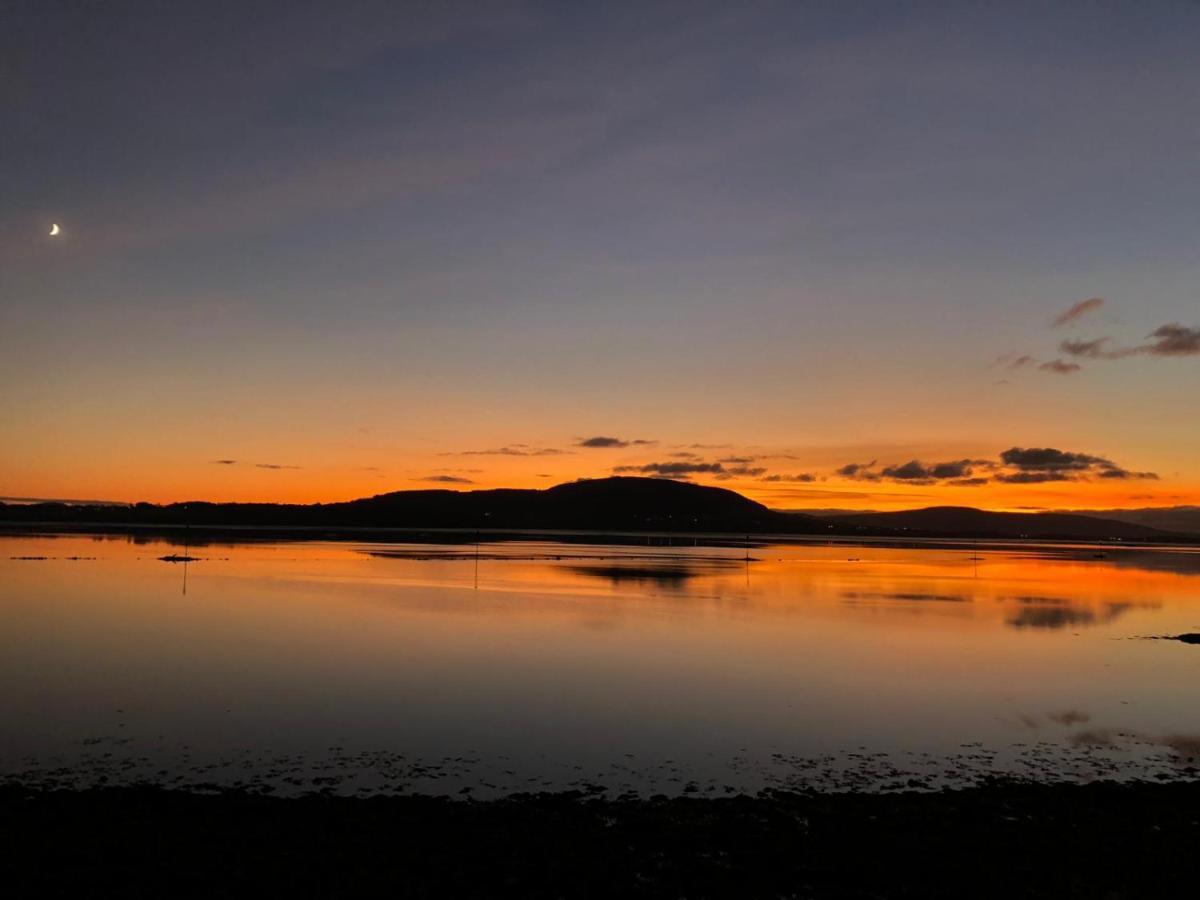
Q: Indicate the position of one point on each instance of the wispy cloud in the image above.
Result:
(234, 462)
(1077, 311)
(1094, 349)
(447, 479)
(1060, 367)
(511, 450)
(602, 441)
(1171, 339)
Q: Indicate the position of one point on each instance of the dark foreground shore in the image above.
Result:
(1000, 840)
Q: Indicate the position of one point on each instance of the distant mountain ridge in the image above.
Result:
(966, 521)
(613, 504)
(1179, 519)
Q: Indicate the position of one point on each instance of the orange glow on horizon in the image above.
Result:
(249, 483)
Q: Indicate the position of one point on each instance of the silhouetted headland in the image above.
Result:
(613, 505)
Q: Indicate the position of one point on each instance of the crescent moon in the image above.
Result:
(54, 229)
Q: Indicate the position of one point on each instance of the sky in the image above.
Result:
(853, 255)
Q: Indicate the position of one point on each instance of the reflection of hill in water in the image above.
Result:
(663, 576)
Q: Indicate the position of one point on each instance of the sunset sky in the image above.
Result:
(826, 254)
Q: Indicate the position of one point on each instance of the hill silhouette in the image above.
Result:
(617, 504)
(966, 521)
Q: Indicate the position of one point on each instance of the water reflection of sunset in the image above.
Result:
(664, 649)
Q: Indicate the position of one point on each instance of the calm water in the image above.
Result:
(538, 664)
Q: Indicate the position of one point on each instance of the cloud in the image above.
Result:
(915, 470)
(858, 471)
(1021, 362)
(1173, 340)
(1077, 311)
(684, 468)
(1033, 477)
(601, 441)
(803, 477)
(273, 466)
(1059, 367)
(224, 462)
(909, 471)
(742, 472)
(681, 469)
(1095, 349)
(1120, 473)
(1049, 458)
(448, 479)
(957, 471)
(1016, 465)
(512, 450)
(692, 465)
(1034, 465)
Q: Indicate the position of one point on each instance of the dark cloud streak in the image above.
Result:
(1077, 311)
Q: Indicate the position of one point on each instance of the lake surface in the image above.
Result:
(524, 665)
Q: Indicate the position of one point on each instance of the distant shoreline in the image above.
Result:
(620, 505)
(232, 533)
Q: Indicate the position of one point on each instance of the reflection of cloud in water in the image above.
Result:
(1059, 612)
(1051, 617)
(1066, 718)
(664, 576)
(1098, 737)
(911, 597)
(1069, 717)
(1186, 747)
